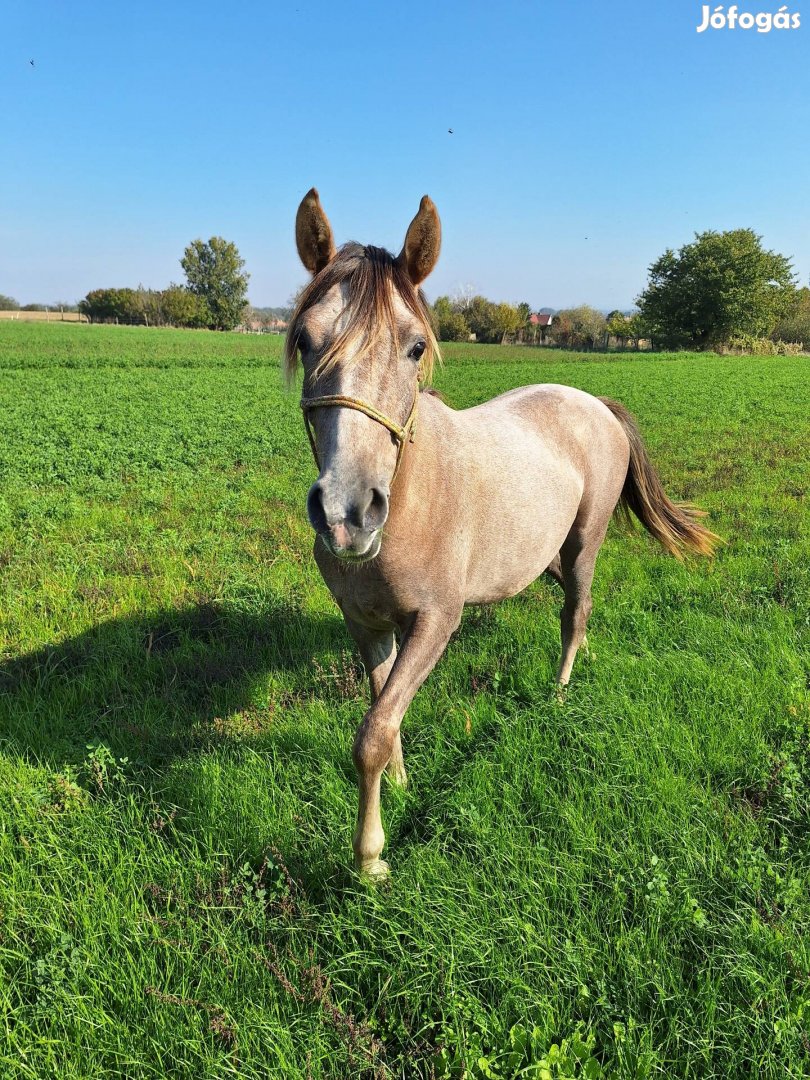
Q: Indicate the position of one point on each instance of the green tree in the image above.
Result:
(450, 323)
(215, 272)
(581, 327)
(112, 305)
(618, 326)
(795, 325)
(527, 331)
(181, 307)
(480, 316)
(562, 328)
(722, 285)
(505, 321)
(8, 303)
(637, 328)
(146, 307)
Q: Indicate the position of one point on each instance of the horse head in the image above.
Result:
(363, 334)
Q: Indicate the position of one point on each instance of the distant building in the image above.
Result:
(541, 323)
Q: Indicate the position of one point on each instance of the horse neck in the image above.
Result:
(416, 478)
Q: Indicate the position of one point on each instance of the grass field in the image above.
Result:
(615, 888)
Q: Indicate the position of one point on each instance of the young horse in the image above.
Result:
(419, 509)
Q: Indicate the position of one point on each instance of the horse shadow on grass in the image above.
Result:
(176, 683)
(164, 689)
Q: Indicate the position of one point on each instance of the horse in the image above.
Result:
(420, 509)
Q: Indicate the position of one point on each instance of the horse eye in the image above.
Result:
(417, 350)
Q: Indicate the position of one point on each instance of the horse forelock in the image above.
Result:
(373, 277)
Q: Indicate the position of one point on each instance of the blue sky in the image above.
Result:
(587, 137)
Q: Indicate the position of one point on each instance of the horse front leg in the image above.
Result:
(377, 739)
(378, 650)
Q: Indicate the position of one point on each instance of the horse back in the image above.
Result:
(519, 472)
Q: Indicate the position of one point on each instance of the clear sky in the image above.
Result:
(588, 136)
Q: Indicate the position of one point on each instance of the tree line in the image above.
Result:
(8, 303)
(214, 295)
(723, 290)
(464, 318)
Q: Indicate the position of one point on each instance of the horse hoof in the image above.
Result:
(561, 693)
(375, 871)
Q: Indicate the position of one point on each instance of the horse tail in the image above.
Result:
(676, 526)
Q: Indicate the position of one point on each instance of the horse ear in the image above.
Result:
(313, 233)
(422, 242)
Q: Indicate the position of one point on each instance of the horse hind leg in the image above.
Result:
(554, 570)
(577, 559)
(395, 769)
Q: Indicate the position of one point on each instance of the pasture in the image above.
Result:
(615, 887)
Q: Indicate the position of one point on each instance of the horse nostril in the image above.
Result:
(376, 511)
(315, 510)
(367, 512)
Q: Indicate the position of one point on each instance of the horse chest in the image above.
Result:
(363, 593)
(371, 607)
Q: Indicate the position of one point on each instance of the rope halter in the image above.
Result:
(402, 434)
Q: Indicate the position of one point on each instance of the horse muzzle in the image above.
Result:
(349, 526)
(358, 549)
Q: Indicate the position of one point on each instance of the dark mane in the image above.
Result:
(374, 276)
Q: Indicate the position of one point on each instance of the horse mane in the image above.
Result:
(373, 275)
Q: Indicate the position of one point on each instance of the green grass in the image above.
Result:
(617, 887)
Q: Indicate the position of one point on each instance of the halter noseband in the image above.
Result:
(402, 434)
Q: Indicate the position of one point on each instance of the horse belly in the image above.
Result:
(520, 527)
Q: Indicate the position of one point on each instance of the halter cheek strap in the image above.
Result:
(402, 434)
